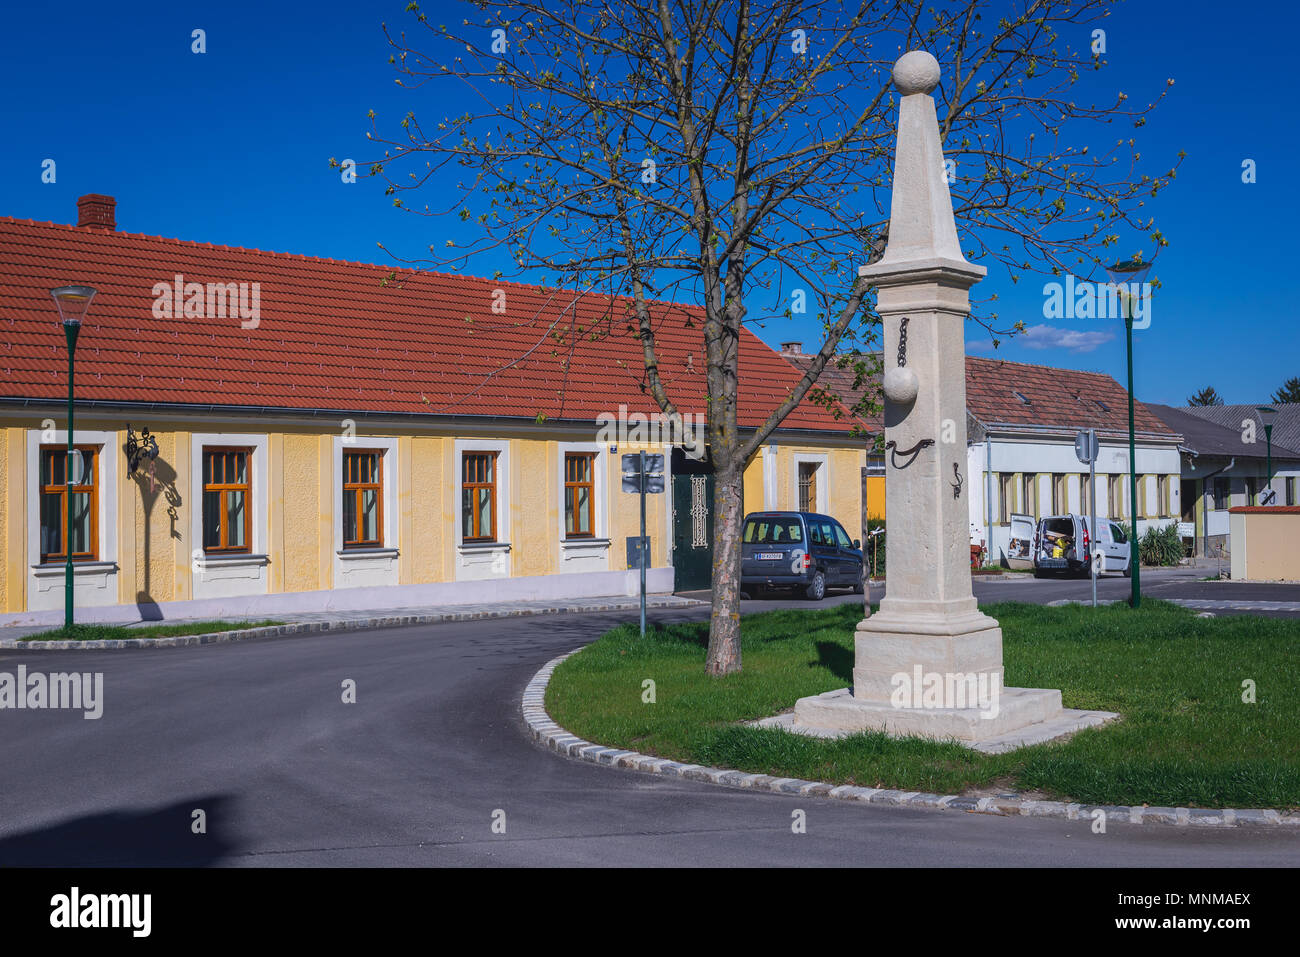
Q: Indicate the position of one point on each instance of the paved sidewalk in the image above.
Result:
(472, 612)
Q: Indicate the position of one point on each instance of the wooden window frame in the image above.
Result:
(571, 488)
(246, 487)
(1006, 502)
(466, 486)
(1060, 493)
(357, 490)
(61, 557)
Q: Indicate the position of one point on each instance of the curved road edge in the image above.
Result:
(555, 738)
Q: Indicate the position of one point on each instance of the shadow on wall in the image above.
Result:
(155, 479)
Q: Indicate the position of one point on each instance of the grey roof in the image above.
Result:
(1206, 438)
(1286, 424)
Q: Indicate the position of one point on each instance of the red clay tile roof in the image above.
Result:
(1058, 398)
(331, 336)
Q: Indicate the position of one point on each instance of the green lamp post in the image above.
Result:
(1121, 274)
(73, 302)
(1266, 413)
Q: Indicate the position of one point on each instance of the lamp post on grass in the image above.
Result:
(1122, 274)
(1266, 413)
(73, 302)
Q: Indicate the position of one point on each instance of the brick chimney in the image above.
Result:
(97, 212)
(792, 348)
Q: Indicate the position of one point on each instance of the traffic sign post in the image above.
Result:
(1086, 448)
(643, 474)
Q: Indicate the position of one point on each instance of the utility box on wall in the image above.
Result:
(636, 547)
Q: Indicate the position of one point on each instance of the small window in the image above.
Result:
(227, 524)
(1117, 533)
(1029, 495)
(1104, 407)
(1222, 494)
(807, 486)
(1115, 505)
(479, 497)
(54, 499)
(1005, 503)
(875, 465)
(1022, 397)
(363, 498)
(579, 493)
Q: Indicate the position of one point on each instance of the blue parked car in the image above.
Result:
(798, 551)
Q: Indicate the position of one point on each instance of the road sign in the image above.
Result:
(1086, 446)
(653, 475)
(643, 474)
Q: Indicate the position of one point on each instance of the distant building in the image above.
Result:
(1022, 422)
(1224, 460)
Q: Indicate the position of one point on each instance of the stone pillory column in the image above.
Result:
(929, 663)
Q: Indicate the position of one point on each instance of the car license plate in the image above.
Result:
(769, 556)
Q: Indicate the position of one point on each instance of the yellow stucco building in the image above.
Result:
(322, 436)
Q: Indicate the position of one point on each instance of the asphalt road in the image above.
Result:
(1169, 583)
(256, 735)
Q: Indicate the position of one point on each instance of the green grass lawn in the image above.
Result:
(1186, 738)
(118, 632)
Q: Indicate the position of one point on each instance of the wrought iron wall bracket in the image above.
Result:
(956, 486)
(892, 448)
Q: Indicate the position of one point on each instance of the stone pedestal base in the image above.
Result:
(1026, 716)
(935, 671)
(951, 640)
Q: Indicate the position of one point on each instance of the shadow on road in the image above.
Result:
(156, 838)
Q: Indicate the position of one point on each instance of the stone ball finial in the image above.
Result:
(916, 72)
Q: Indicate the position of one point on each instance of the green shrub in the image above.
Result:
(1163, 546)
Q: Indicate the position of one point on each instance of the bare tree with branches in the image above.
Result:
(734, 154)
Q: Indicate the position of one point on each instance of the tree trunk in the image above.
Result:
(724, 625)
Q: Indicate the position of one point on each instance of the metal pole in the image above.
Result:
(866, 576)
(1092, 519)
(1268, 468)
(988, 493)
(643, 549)
(70, 332)
(1135, 552)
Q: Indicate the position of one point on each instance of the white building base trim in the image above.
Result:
(439, 594)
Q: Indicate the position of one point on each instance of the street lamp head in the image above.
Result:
(1266, 412)
(1130, 270)
(73, 302)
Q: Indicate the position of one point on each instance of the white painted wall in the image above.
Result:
(1049, 455)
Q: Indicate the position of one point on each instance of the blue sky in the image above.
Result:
(232, 147)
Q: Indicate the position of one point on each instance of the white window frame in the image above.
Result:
(367, 567)
(586, 554)
(478, 560)
(224, 576)
(94, 583)
(819, 459)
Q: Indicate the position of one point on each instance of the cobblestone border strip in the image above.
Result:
(555, 738)
(311, 627)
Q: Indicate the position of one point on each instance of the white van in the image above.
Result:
(1062, 544)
